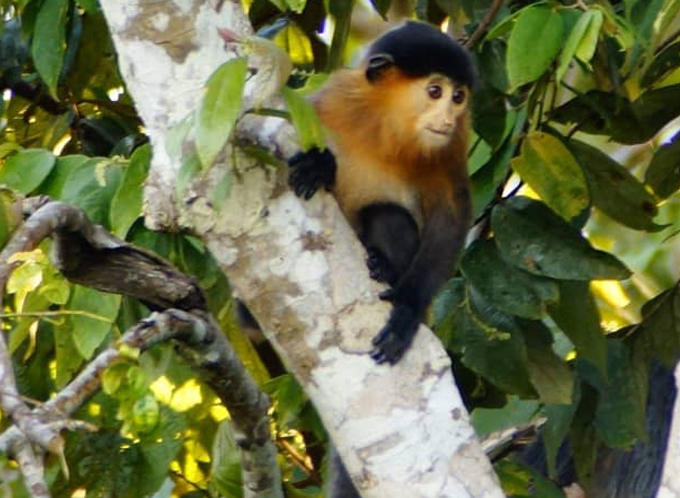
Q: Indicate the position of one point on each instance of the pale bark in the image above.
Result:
(402, 430)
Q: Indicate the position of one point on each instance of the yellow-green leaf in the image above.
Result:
(219, 109)
(550, 169)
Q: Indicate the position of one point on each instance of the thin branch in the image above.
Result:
(484, 24)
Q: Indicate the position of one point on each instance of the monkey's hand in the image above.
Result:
(396, 336)
(310, 171)
(379, 267)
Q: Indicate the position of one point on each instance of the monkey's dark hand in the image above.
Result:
(310, 171)
(379, 266)
(397, 335)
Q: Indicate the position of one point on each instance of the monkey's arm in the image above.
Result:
(442, 240)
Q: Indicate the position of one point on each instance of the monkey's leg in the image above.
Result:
(391, 238)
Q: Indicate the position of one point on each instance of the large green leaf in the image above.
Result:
(614, 190)
(126, 205)
(507, 287)
(49, 41)
(27, 169)
(91, 185)
(577, 315)
(219, 109)
(550, 169)
(534, 238)
(527, 58)
(54, 183)
(91, 328)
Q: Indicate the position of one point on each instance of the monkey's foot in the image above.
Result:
(311, 170)
(395, 338)
(379, 267)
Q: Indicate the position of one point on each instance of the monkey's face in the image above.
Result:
(440, 104)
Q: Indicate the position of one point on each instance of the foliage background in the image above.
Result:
(565, 297)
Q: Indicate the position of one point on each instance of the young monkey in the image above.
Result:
(396, 163)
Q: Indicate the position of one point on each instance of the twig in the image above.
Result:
(484, 24)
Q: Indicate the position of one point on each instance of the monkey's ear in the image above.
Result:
(377, 65)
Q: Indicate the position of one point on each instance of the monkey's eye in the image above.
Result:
(434, 91)
(458, 96)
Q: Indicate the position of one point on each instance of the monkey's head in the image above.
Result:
(425, 77)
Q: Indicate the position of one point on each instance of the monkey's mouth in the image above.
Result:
(444, 132)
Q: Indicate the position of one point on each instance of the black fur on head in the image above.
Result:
(419, 49)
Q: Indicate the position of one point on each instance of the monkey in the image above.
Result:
(395, 161)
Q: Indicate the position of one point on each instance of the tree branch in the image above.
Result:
(89, 255)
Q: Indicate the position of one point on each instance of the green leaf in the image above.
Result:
(615, 191)
(68, 359)
(91, 185)
(655, 108)
(506, 287)
(620, 414)
(341, 12)
(667, 61)
(226, 461)
(519, 480)
(126, 205)
(54, 183)
(550, 169)
(219, 109)
(556, 430)
(296, 6)
(516, 412)
(663, 173)
(305, 120)
(588, 43)
(89, 332)
(490, 116)
(492, 66)
(577, 315)
(573, 40)
(534, 238)
(492, 345)
(660, 331)
(27, 169)
(527, 59)
(49, 41)
(548, 373)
